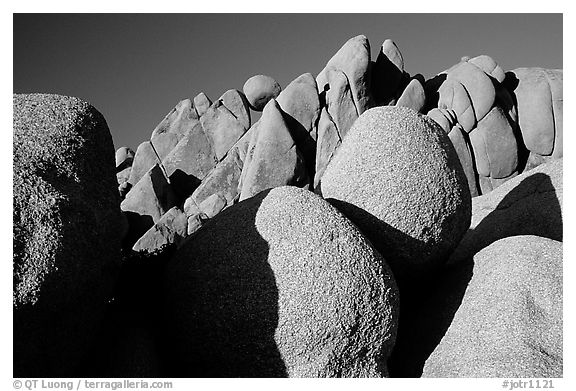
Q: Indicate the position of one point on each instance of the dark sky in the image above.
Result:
(135, 68)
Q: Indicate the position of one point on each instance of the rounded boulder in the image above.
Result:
(281, 284)
(397, 176)
(259, 89)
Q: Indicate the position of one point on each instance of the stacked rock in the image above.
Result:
(500, 123)
(371, 223)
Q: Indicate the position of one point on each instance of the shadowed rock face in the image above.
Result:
(398, 178)
(280, 284)
(67, 231)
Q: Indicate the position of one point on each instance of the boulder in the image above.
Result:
(413, 96)
(67, 228)
(222, 128)
(301, 105)
(453, 96)
(489, 66)
(236, 102)
(212, 205)
(196, 222)
(170, 229)
(296, 291)
(173, 127)
(201, 104)
(478, 85)
(340, 103)
(124, 158)
(148, 200)
(328, 142)
(144, 160)
(276, 160)
(223, 180)
(458, 137)
(190, 162)
(259, 89)
(394, 156)
(387, 73)
(510, 321)
(494, 144)
(353, 59)
(442, 118)
(535, 109)
(124, 175)
(528, 204)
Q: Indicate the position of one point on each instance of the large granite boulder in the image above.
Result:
(510, 321)
(67, 229)
(529, 204)
(259, 89)
(280, 284)
(144, 159)
(397, 176)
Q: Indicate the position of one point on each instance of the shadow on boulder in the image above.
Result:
(427, 307)
(221, 305)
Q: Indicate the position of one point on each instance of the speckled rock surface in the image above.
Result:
(510, 321)
(297, 291)
(67, 229)
(397, 176)
(259, 89)
(529, 204)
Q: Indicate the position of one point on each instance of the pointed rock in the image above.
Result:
(353, 59)
(328, 143)
(301, 106)
(170, 229)
(190, 161)
(201, 104)
(222, 128)
(236, 102)
(275, 161)
(151, 197)
(413, 96)
(173, 127)
(387, 73)
(144, 160)
(340, 103)
(222, 180)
